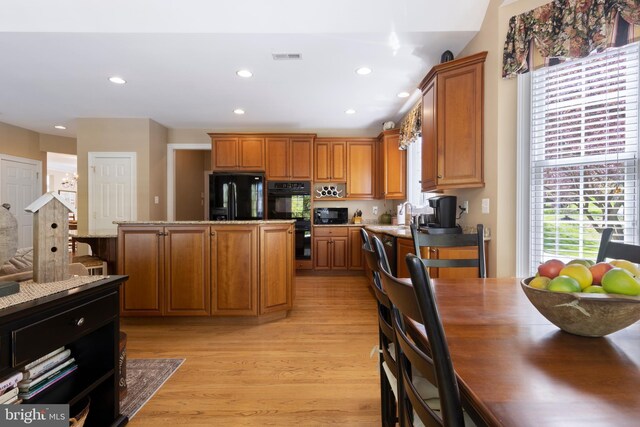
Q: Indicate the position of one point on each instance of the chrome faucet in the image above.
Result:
(410, 210)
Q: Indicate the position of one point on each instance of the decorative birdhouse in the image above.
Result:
(50, 238)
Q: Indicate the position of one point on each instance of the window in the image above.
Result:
(414, 175)
(583, 167)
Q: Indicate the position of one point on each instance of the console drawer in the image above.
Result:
(38, 338)
(331, 231)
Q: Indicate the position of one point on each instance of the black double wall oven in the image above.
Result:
(292, 200)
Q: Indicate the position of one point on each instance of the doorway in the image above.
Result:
(112, 190)
(20, 185)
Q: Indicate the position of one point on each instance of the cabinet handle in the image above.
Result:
(79, 322)
(290, 232)
(440, 176)
(213, 233)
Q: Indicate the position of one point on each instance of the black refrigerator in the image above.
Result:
(236, 196)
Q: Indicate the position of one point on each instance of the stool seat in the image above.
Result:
(92, 263)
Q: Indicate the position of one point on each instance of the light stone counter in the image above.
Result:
(254, 222)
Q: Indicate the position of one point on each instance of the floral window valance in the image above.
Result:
(568, 29)
(411, 126)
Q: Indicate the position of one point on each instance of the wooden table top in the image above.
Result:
(518, 369)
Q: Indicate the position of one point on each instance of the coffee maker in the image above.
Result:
(444, 208)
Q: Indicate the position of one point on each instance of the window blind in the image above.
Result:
(584, 154)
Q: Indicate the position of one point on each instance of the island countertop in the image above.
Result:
(253, 222)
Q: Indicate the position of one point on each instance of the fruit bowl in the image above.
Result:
(588, 315)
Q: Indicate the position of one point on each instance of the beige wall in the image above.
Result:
(142, 136)
(20, 142)
(190, 167)
(57, 144)
(500, 98)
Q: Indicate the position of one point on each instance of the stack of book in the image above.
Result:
(9, 389)
(44, 372)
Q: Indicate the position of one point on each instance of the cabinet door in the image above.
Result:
(276, 267)
(141, 257)
(429, 140)
(187, 287)
(278, 158)
(394, 168)
(338, 155)
(361, 173)
(403, 247)
(321, 161)
(459, 123)
(356, 258)
(234, 286)
(301, 158)
(322, 253)
(339, 253)
(252, 153)
(224, 153)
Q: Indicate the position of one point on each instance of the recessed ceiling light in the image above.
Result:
(244, 73)
(117, 80)
(60, 127)
(403, 94)
(350, 111)
(238, 111)
(363, 71)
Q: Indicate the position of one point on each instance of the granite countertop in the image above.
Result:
(393, 230)
(92, 236)
(339, 225)
(254, 222)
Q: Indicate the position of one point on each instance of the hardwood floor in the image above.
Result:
(312, 368)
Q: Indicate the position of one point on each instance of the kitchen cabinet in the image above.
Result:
(452, 124)
(330, 160)
(330, 248)
(361, 169)
(234, 270)
(236, 152)
(356, 256)
(392, 167)
(276, 268)
(403, 247)
(167, 268)
(289, 157)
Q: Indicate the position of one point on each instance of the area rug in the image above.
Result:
(144, 379)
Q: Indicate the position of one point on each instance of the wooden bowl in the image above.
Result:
(588, 315)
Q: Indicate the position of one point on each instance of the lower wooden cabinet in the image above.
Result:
(356, 256)
(337, 248)
(202, 270)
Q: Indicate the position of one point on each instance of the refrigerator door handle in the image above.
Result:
(233, 202)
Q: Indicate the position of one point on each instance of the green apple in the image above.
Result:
(564, 284)
(620, 281)
(586, 262)
(539, 282)
(594, 290)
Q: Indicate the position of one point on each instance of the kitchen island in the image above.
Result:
(223, 269)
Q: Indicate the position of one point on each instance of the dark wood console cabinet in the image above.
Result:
(84, 319)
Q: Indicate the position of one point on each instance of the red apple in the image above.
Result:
(598, 270)
(551, 268)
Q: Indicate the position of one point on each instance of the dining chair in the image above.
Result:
(435, 241)
(415, 301)
(386, 338)
(616, 250)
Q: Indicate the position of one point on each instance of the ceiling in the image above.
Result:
(180, 61)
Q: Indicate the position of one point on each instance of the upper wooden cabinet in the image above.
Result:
(392, 166)
(361, 168)
(330, 160)
(230, 152)
(452, 124)
(289, 157)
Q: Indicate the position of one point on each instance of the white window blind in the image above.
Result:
(584, 154)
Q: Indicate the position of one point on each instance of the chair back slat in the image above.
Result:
(616, 250)
(424, 239)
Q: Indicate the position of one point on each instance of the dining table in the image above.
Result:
(515, 368)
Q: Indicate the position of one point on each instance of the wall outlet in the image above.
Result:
(485, 206)
(375, 210)
(156, 200)
(465, 206)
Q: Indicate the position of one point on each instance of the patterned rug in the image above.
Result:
(144, 379)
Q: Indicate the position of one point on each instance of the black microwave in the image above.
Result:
(330, 216)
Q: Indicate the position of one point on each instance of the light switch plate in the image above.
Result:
(485, 206)
(375, 210)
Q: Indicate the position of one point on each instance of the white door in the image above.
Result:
(112, 190)
(19, 186)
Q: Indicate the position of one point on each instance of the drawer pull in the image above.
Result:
(79, 322)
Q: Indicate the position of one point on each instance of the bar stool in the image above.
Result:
(95, 265)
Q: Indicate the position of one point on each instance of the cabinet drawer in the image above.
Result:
(37, 339)
(331, 231)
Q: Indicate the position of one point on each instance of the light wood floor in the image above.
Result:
(312, 368)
